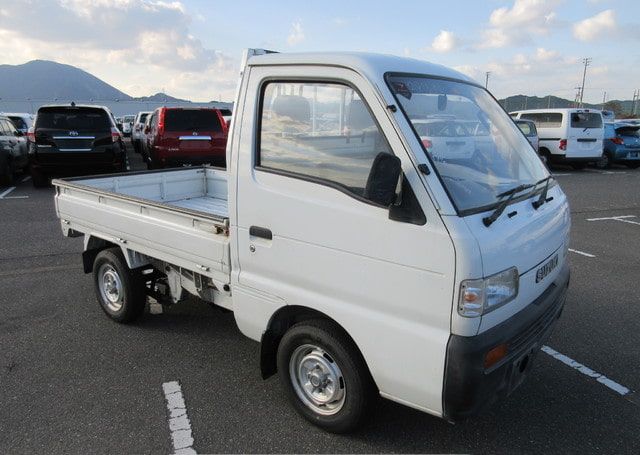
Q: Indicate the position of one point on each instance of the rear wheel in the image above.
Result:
(120, 290)
(605, 162)
(38, 179)
(325, 377)
(6, 172)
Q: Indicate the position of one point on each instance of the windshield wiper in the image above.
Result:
(488, 220)
(543, 196)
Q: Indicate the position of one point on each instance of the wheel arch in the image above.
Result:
(280, 322)
(94, 244)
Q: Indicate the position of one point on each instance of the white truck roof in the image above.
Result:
(557, 109)
(372, 66)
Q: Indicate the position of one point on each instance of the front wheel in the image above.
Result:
(120, 290)
(325, 376)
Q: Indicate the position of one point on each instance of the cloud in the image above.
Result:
(516, 25)
(444, 42)
(143, 44)
(296, 35)
(544, 55)
(596, 26)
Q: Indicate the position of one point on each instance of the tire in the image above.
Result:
(605, 162)
(6, 171)
(633, 165)
(349, 389)
(120, 290)
(38, 179)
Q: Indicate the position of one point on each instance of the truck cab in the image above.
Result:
(363, 260)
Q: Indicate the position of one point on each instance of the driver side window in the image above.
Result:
(322, 131)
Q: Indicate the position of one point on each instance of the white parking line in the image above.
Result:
(179, 424)
(602, 379)
(621, 218)
(26, 179)
(589, 255)
(560, 175)
(7, 191)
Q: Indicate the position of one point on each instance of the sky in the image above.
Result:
(191, 48)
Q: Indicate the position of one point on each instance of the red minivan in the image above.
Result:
(185, 136)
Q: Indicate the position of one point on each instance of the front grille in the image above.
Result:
(538, 326)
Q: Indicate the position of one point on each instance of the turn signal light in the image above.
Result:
(495, 355)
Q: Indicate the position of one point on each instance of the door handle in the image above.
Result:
(261, 232)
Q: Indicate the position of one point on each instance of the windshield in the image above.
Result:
(73, 118)
(192, 120)
(586, 120)
(473, 144)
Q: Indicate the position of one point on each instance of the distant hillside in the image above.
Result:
(520, 102)
(161, 97)
(45, 80)
(41, 79)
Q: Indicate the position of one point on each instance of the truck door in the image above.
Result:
(307, 234)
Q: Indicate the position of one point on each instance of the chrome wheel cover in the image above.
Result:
(317, 379)
(111, 288)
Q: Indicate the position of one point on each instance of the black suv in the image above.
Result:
(70, 140)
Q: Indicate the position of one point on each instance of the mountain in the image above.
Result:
(45, 80)
(161, 97)
(520, 102)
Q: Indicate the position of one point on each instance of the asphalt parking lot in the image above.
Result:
(73, 381)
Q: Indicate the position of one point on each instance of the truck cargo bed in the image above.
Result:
(177, 215)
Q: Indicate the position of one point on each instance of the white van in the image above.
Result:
(363, 259)
(572, 136)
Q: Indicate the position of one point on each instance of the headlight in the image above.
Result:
(478, 297)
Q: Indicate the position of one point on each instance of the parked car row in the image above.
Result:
(581, 136)
(74, 140)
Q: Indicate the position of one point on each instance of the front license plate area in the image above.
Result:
(546, 268)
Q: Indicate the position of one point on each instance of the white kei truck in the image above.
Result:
(363, 261)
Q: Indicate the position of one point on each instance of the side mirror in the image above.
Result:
(383, 179)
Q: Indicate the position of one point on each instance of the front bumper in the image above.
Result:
(469, 388)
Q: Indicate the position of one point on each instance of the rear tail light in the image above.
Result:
(427, 143)
(563, 144)
(161, 122)
(115, 134)
(617, 140)
(31, 135)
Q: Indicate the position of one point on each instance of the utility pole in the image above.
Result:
(486, 79)
(578, 96)
(634, 103)
(587, 62)
(604, 99)
(548, 101)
